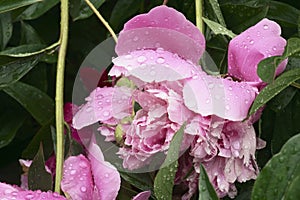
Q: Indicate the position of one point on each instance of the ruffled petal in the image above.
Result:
(104, 104)
(154, 66)
(252, 46)
(106, 177)
(77, 179)
(142, 195)
(160, 28)
(221, 97)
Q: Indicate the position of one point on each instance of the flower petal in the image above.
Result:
(252, 46)
(160, 28)
(104, 104)
(221, 97)
(77, 179)
(157, 66)
(106, 177)
(142, 195)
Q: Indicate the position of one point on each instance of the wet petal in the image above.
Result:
(104, 104)
(77, 179)
(154, 66)
(160, 28)
(142, 195)
(221, 97)
(253, 45)
(106, 177)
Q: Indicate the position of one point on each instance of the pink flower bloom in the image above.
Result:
(91, 178)
(253, 45)
(10, 192)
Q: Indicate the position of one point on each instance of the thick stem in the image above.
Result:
(60, 94)
(199, 13)
(296, 85)
(104, 22)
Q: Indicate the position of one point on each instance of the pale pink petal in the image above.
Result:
(155, 66)
(142, 195)
(106, 177)
(253, 45)
(10, 192)
(77, 179)
(221, 97)
(160, 28)
(104, 104)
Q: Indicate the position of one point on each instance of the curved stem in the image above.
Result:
(60, 93)
(165, 2)
(104, 22)
(296, 85)
(199, 13)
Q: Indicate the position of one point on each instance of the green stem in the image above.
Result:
(199, 13)
(165, 2)
(60, 93)
(104, 22)
(296, 85)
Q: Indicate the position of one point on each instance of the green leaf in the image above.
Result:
(38, 177)
(206, 190)
(36, 102)
(266, 68)
(271, 90)
(80, 10)
(216, 8)
(10, 122)
(29, 35)
(14, 70)
(164, 180)
(42, 136)
(218, 28)
(36, 10)
(280, 101)
(141, 181)
(8, 5)
(280, 178)
(6, 29)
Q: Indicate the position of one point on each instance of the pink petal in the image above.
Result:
(253, 45)
(77, 179)
(103, 105)
(106, 177)
(221, 97)
(142, 195)
(9, 192)
(154, 66)
(160, 28)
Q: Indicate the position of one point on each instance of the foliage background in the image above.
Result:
(27, 75)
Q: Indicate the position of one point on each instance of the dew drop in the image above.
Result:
(129, 67)
(152, 73)
(135, 39)
(211, 85)
(89, 109)
(274, 48)
(29, 196)
(230, 88)
(159, 50)
(128, 56)
(146, 32)
(246, 101)
(141, 59)
(82, 165)
(72, 172)
(266, 27)
(83, 189)
(207, 101)
(251, 42)
(106, 175)
(106, 113)
(157, 44)
(227, 107)
(160, 60)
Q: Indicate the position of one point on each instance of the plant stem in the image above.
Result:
(165, 2)
(60, 93)
(296, 85)
(104, 22)
(199, 13)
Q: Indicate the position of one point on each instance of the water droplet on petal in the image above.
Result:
(106, 113)
(211, 85)
(207, 101)
(83, 189)
(274, 48)
(128, 56)
(135, 39)
(227, 107)
(266, 27)
(146, 32)
(82, 165)
(141, 59)
(230, 88)
(72, 172)
(89, 109)
(160, 60)
(251, 42)
(159, 50)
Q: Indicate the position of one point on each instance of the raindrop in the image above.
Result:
(266, 27)
(157, 44)
(83, 189)
(152, 73)
(248, 91)
(106, 175)
(135, 39)
(251, 42)
(129, 67)
(106, 113)
(160, 60)
(72, 172)
(246, 101)
(230, 88)
(274, 48)
(29, 196)
(159, 50)
(89, 109)
(211, 85)
(227, 107)
(128, 56)
(146, 32)
(207, 101)
(141, 59)
(83, 165)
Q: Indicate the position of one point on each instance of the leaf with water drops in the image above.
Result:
(38, 177)
(36, 10)
(14, 69)
(280, 178)
(216, 8)
(8, 5)
(271, 90)
(80, 10)
(6, 29)
(164, 180)
(206, 190)
(36, 102)
(218, 28)
(266, 68)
